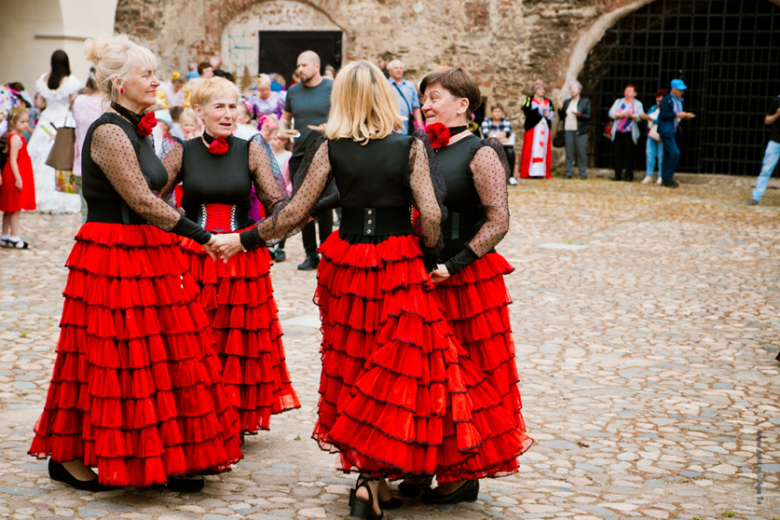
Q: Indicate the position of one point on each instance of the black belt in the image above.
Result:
(112, 211)
(460, 225)
(373, 222)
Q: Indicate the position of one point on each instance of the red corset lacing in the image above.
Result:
(218, 218)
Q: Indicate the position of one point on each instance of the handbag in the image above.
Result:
(559, 141)
(63, 151)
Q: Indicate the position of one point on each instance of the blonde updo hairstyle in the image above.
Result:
(207, 89)
(116, 57)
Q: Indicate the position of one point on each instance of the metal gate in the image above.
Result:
(727, 52)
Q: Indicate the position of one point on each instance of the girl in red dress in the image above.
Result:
(17, 184)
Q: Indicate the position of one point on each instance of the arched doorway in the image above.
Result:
(269, 35)
(726, 51)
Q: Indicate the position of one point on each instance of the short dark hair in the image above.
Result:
(632, 86)
(662, 93)
(387, 56)
(497, 106)
(176, 113)
(203, 66)
(459, 82)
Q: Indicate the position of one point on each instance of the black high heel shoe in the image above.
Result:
(393, 503)
(58, 472)
(365, 509)
(414, 490)
(468, 492)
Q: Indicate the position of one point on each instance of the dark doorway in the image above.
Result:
(279, 50)
(727, 53)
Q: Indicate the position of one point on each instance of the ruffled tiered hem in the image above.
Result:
(475, 303)
(238, 300)
(136, 390)
(398, 394)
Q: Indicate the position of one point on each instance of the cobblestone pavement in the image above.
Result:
(646, 327)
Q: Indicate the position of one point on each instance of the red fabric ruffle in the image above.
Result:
(136, 390)
(475, 303)
(238, 300)
(398, 394)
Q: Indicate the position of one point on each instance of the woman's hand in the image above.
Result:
(208, 247)
(228, 245)
(18, 184)
(440, 274)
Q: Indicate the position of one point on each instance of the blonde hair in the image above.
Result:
(115, 57)
(209, 88)
(13, 116)
(263, 80)
(363, 106)
(190, 114)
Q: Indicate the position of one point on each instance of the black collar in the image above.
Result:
(455, 130)
(127, 114)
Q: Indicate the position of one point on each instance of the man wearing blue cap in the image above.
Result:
(772, 153)
(668, 119)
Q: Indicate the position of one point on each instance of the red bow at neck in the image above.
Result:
(144, 128)
(438, 134)
(218, 146)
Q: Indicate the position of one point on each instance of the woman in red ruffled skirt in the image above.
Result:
(470, 279)
(217, 171)
(399, 395)
(136, 390)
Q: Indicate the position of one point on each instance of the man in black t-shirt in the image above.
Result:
(772, 153)
(308, 103)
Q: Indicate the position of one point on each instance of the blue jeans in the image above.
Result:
(771, 156)
(672, 154)
(652, 150)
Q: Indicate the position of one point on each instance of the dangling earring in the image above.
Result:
(121, 90)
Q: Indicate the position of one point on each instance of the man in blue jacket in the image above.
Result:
(668, 119)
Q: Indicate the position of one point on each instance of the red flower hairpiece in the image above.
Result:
(218, 146)
(439, 135)
(144, 128)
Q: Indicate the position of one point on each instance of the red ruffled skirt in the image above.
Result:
(475, 303)
(399, 395)
(136, 390)
(238, 300)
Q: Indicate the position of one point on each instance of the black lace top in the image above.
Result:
(475, 171)
(122, 177)
(224, 179)
(388, 175)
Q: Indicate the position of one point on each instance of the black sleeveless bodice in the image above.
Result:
(373, 184)
(103, 202)
(217, 188)
(464, 212)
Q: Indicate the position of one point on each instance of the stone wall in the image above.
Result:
(506, 44)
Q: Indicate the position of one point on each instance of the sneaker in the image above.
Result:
(751, 202)
(512, 181)
(280, 256)
(659, 181)
(310, 264)
(669, 183)
(647, 180)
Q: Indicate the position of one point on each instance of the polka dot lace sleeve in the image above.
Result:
(291, 216)
(423, 181)
(490, 176)
(113, 152)
(266, 174)
(172, 160)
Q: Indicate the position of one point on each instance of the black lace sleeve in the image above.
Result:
(264, 167)
(113, 151)
(428, 192)
(490, 171)
(172, 159)
(291, 216)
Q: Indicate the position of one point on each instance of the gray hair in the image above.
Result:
(395, 63)
(536, 86)
(577, 83)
